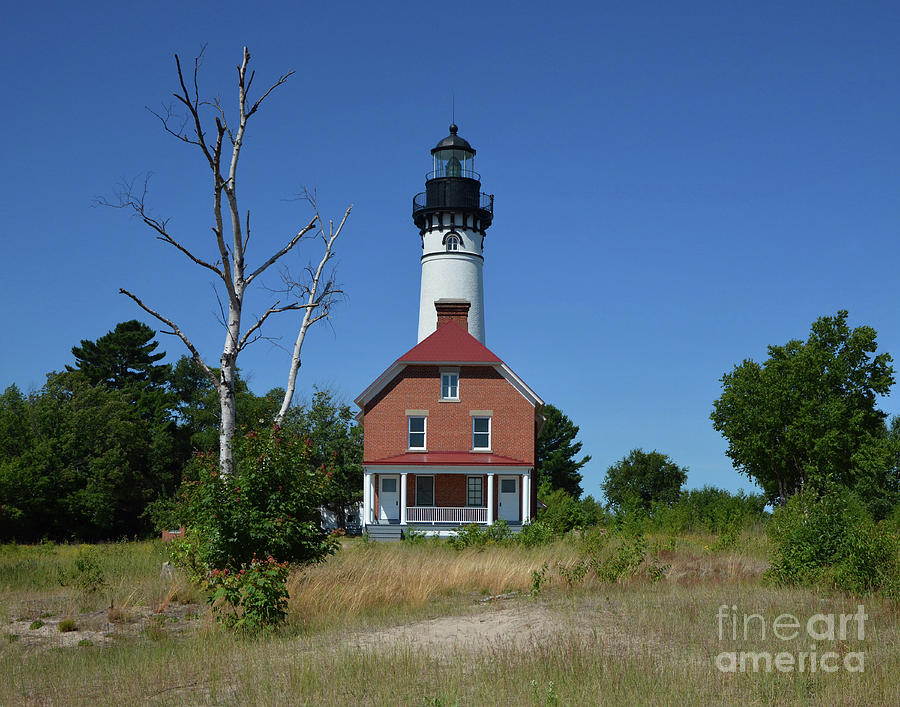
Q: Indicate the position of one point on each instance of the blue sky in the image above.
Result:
(677, 186)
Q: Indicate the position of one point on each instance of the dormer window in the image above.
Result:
(449, 385)
(452, 243)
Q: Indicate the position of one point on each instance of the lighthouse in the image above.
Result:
(452, 216)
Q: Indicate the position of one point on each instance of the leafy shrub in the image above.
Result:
(268, 507)
(252, 599)
(538, 579)
(474, 535)
(625, 562)
(573, 574)
(563, 512)
(535, 534)
(35, 625)
(85, 573)
(593, 512)
(656, 571)
(67, 625)
(827, 537)
(414, 537)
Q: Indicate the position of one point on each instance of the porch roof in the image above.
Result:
(448, 459)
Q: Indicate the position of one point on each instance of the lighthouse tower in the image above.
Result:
(453, 216)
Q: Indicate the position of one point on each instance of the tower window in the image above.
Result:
(452, 243)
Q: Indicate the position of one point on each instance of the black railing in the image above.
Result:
(460, 199)
(449, 171)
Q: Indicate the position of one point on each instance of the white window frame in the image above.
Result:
(452, 240)
(489, 433)
(450, 372)
(410, 433)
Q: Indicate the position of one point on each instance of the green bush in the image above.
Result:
(535, 534)
(563, 512)
(268, 507)
(474, 535)
(252, 599)
(826, 537)
(625, 562)
(85, 573)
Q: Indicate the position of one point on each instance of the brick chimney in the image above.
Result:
(453, 310)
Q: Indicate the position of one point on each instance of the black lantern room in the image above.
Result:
(453, 193)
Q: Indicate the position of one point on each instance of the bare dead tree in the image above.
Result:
(313, 296)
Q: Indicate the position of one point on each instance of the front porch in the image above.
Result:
(440, 501)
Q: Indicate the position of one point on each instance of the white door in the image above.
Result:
(508, 499)
(389, 498)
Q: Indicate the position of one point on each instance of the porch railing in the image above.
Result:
(429, 514)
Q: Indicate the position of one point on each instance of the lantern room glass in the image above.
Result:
(454, 163)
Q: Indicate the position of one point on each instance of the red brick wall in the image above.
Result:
(449, 425)
(453, 312)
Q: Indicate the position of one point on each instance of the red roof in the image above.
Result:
(449, 344)
(450, 458)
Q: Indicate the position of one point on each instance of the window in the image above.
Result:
(481, 433)
(507, 485)
(389, 485)
(416, 432)
(449, 385)
(452, 243)
(424, 490)
(475, 491)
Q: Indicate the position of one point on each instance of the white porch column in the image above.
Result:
(403, 498)
(526, 498)
(373, 512)
(490, 498)
(367, 499)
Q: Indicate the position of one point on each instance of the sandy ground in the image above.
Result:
(519, 624)
(106, 626)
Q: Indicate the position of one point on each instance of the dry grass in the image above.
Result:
(379, 578)
(358, 620)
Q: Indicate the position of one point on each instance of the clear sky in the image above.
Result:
(677, 186)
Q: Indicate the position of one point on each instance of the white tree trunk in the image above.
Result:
(229, 264)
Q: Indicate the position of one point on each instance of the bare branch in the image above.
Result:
(193, 104)
(313, 300)
(128, 198)
(274, 309)
(180, 334)
(275, 85)
(294, 241)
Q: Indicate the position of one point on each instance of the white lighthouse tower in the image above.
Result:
(453, 216)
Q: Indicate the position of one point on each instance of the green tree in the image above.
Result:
(83, 472)
(556, 460)
(125, 359)
(808, 413)
(336, 448)
(197, 404)
(643, 478)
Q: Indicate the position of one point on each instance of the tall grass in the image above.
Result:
(131, 572)
(628, 642)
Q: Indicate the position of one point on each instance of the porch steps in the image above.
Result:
(384, 533)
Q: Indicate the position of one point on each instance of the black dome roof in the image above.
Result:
(453, 142)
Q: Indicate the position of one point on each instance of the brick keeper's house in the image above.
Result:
(450, 429)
